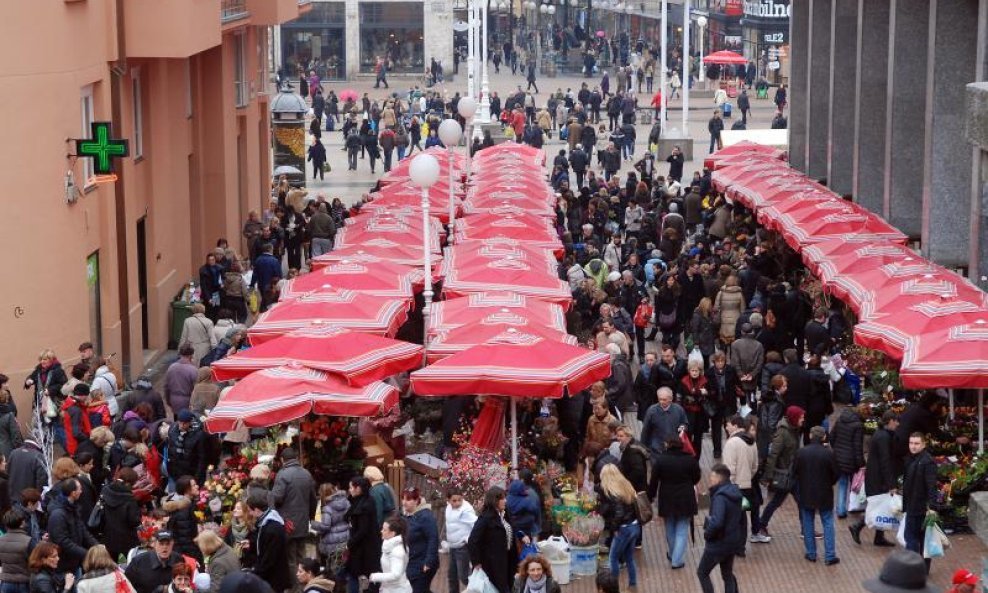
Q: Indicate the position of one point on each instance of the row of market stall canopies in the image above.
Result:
(931, 318)
(326, 346)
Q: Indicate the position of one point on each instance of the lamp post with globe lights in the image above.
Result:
(485, 83)
(424, 172)
(467, 108)
(450, 134)
(687, 56)
(664, 67)
(701, 23)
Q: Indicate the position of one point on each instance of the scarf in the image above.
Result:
(535, 586)
(507, 531)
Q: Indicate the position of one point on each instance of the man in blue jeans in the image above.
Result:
(919, 486)
(723, 531)
(816, 473)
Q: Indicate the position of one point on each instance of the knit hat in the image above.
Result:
(793, 414)
(80, 389)
(964, 577)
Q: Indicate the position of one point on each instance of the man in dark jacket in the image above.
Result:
(182, 523)
(798, 380)
(817, 335)
(66, 528)
(619, 393)
(923, 417)
(122, 515)
(676, 160)
(669, 371)
(816, 473)
(294, 497)
(723, 531)
(186, 448)
(151, 570)
(26, 469)
(579, 160)
(880, 477)
(634, 459)
(847, 441)
(715, 126)
(678, 473)
(919, 487)
(270, 546)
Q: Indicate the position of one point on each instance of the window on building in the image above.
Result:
(241, 83)
(392, 33)
(137, 99)
(88, 117)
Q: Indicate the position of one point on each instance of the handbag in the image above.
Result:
(782, 480)
(96, 516)
(667, 320)
(643, 508)
(642, 315)
(710, 408)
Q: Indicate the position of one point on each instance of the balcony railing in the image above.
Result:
(233, 10)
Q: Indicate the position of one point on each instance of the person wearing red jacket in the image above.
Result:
(693, 392)
(75, 418)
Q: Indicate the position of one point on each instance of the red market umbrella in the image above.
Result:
(794, 205)
(725, 57)
(837, 225)
(438, 203)
(952, 357)
(457, 339)
(406, 255)
(827, 259)
(508, 209)
(508, 227)
(757, 189)
(514, 365)
(357, 358)
(473, 251)
(536, 154)
(512, 275)
(336, 308)
(370, 276)
(470, 309)
(744, 149)
(441, 154)
(403, 231)
(287, 393)
(891, 333)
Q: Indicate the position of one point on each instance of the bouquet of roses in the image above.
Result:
(221, 491)
(584, 530)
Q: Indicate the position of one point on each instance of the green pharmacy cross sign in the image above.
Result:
(101, 148)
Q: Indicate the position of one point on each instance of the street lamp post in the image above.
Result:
(424, 171)
(664, 48)
(450, 134)
(467, 107)
(470, 48)
(686, 69)
(701, 23)
(485, 83)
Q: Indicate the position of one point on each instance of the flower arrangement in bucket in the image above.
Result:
(220, 492)
(473, 470)
(584, 530)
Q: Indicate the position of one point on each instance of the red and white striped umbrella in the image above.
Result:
(470, 309)
(358, 358)
(829, 226)
(335, 308)
(535, 155)
(405, 229)
(457, 339)
(282, 394)
(511, 275)
(406, 255)
(368, 275)
(479, 251)
(891, 333)
(744, 149)
(951, 357)
(488, 205)
(830, 259)
(508, 227)
(515, 365)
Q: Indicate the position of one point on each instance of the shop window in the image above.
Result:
(392, 31)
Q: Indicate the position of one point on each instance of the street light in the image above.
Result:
(701, 23)
(450, 134)
(424, 171)
(467, 107)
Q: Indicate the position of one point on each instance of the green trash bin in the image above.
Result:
(181, 310)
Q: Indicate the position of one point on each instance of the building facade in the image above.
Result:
(185, 83)
(765, 38)
(343, 40)
(885, 105)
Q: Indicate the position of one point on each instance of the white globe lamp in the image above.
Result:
(467, 108)
(424, 170)
(450, 133)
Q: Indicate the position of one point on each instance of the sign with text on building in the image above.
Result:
(776, 37)
(767, 9)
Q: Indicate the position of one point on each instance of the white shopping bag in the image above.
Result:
(480, 583)
(881, 513)
(857, 501)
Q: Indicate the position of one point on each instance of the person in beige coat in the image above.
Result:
(101, 574)
(728, 307)
(197, 331)
(221, 560)
(205, 394)
(741, 457)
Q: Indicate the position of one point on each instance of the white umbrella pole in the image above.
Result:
(514, 438)
(981, 420)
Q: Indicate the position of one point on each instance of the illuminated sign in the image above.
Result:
(101, 148)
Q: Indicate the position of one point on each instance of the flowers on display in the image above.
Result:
(584, 530)
(473, 469)
(220, 492)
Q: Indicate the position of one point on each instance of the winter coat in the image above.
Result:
(103, 581)
(271, 549)
(26, 469)
(726, 398)
(384, 502)
(222, 562)
(847, 441)
(770, 410)
(423, 541)
(197, 330)
(492, 549)
(365, 542)
(741, 457)
(721, 223)
(48, 581)
(747, 356)
(919, 483)
(634, 465)
(182, 523)
(67, 530)
(147, 572)
(394, 562)
(619, 383)
(702, 330)
(880, 476)
(122, 517)
(76, 423)
(459, 523)
(15, 547)
(551, 586)
(660, 425)
(615, 512)
(782, 452)
(294, 497)
(524, 510)
(333, 530)
(10, 433)
(724, 529)
(190, 458)
(816, 473)
(598, 431)
(730, 303)
(678, 473)
(799, 385)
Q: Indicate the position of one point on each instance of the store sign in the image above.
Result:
(734, 7)
(767, 9)
(777, 37)
(732, 39)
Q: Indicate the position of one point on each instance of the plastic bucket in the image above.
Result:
(561, 569)
(583, 560)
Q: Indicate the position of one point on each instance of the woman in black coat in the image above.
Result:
(364, 543)
(122, 515)
(678, 473)
(490, 543)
